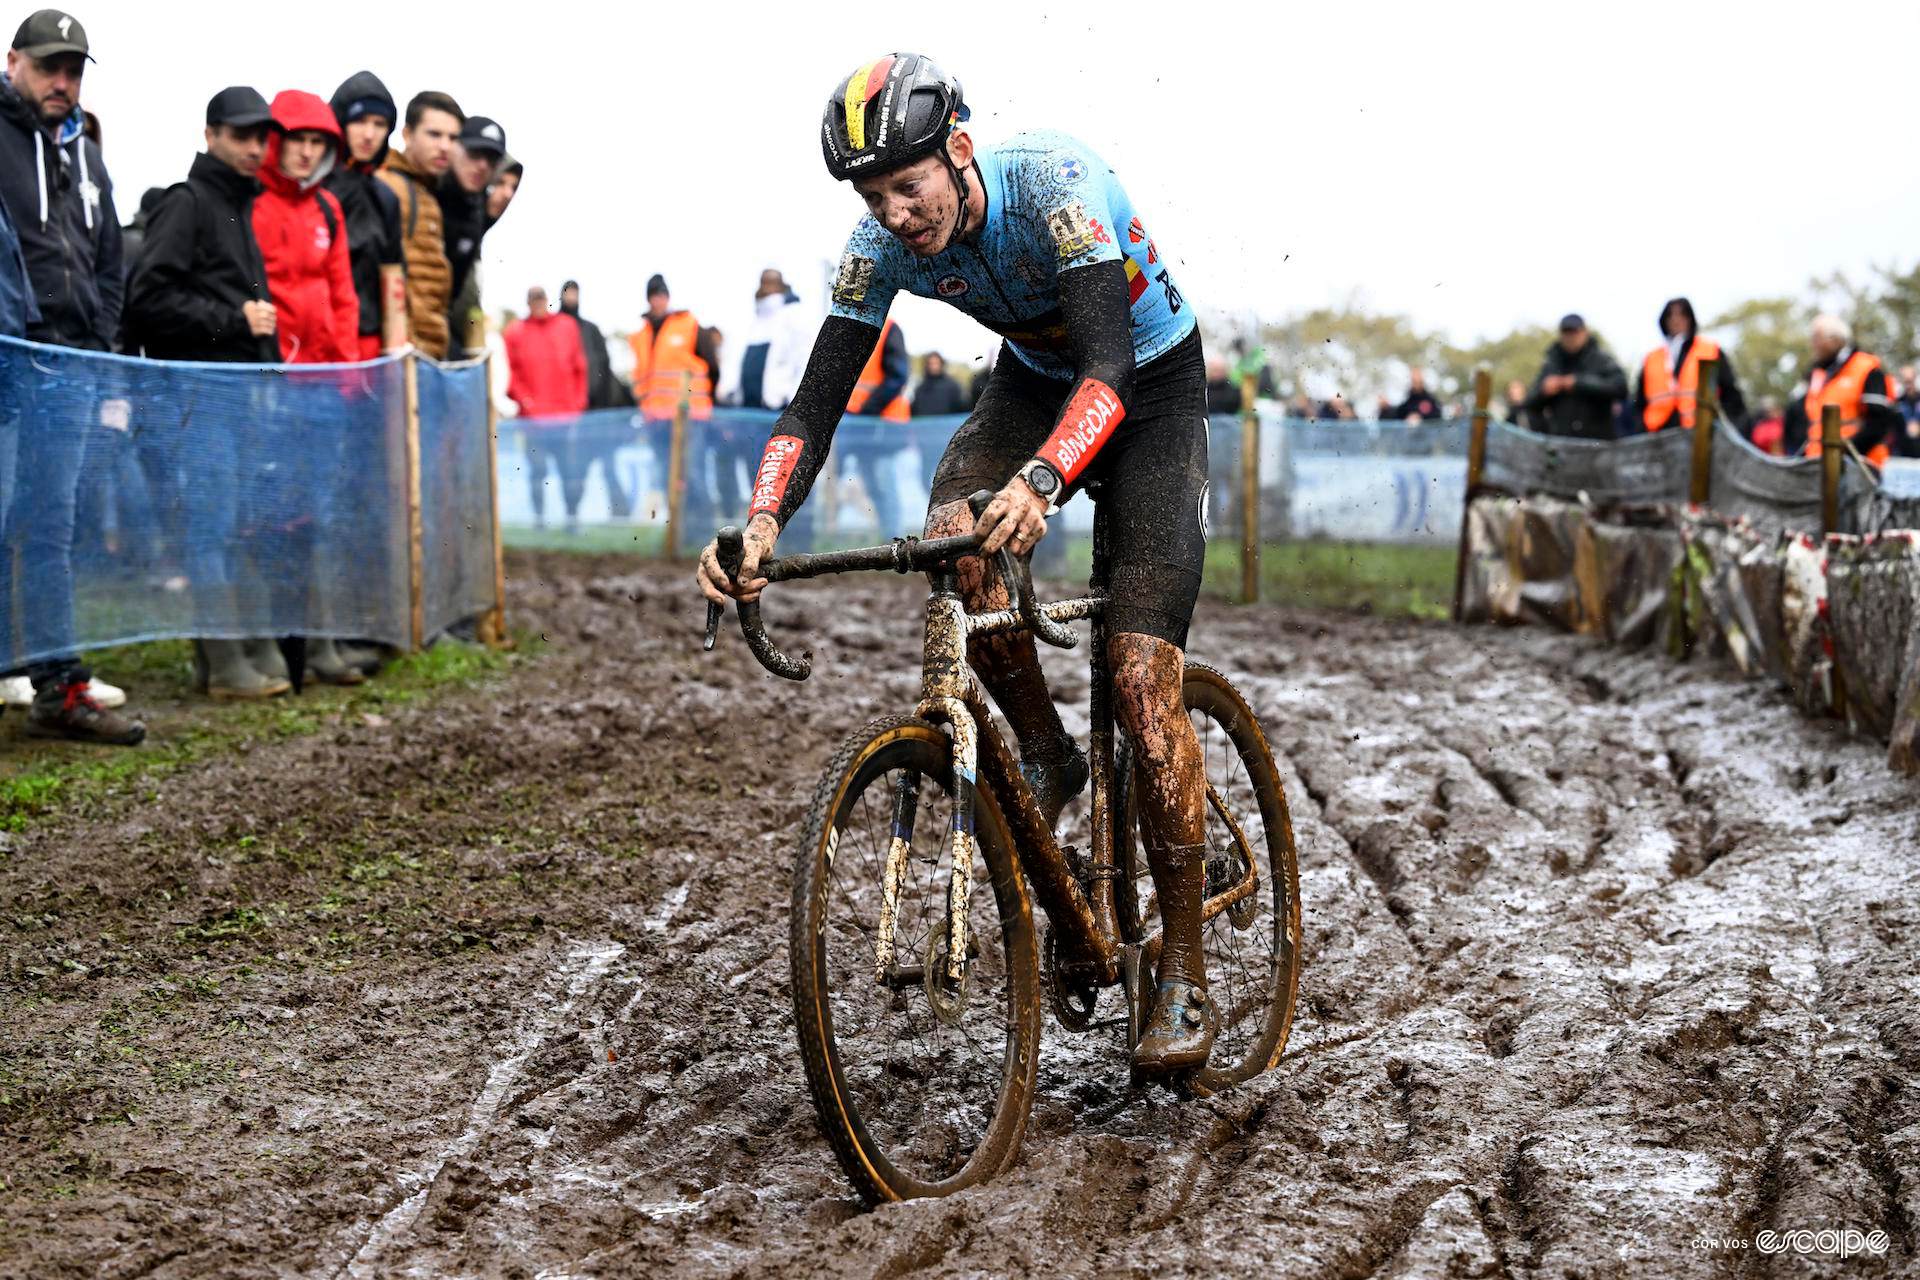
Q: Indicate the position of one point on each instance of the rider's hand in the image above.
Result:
(762, 531)
(1016, 518)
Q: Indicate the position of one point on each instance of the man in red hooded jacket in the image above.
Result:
(547, 379)
(302, 234)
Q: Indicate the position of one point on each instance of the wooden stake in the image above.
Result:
(1706, 402)
(1832, 453)
(1476, 463)
(495, 628)
(1249, 489)
(416, 526)
(677, 465)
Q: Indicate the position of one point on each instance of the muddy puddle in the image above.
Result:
(1604, 958)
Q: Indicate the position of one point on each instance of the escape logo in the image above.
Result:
(1830, 1243)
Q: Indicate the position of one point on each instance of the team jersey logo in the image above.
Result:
(855, 278)
(1069, 170)
(951, 286)
(1071, 229)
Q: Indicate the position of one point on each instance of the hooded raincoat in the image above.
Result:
(303, 241)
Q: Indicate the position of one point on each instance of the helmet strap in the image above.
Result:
(960, 180)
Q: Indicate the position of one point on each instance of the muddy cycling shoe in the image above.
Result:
(1055, 783)
(1180, 1031)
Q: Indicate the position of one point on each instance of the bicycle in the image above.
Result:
(917, 1000)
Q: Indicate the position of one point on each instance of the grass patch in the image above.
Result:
(39, 778)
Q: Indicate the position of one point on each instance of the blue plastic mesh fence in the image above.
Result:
(145, 499)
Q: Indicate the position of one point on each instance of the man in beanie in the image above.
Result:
(673, 358)
(477, 152)
(367, 116)
(54, 183)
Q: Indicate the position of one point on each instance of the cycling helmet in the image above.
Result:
(890, 112)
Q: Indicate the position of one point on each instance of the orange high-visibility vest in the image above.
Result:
(871, 377)
(664, 363)
(1844, 387)
(1664, 394)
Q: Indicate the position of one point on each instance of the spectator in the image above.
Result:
(200, 293)
(872, 448)
(1515, 410)
(1223, 393)
(1669, 379)
(366, 115)
(1853, 380)
(776, 349)
(133, 243)
(674, 358)
(1300, 407)
(1419, 404)
(1769, 428)
(1909, 398)
(477, 151)
(604, 390)
(549, 373)
(938, 393)
(1578, 386)
(59, 198)
(17, 309)
(505, 187)
(1336, 409)
(303, 244)
(433, 119)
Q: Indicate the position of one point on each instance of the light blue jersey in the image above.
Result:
(1052, 205)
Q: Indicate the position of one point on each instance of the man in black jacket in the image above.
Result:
(55, 186)
(1578, 386)
(200, 294)
(477, 152)
(604, 391)
(367, 114)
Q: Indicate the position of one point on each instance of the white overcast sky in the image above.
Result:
(1478, 166)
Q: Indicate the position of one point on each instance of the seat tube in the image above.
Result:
(1100, 708)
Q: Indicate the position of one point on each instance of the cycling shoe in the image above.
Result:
(1180, 1031)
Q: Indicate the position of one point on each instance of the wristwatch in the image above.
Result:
(1044, 481)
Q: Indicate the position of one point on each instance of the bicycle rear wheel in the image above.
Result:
(916, 1098)
(1252, 948)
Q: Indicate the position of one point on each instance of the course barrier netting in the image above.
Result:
(602, 478)
(1601, 539)
(146, 499)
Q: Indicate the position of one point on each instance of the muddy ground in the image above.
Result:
(1602, 956)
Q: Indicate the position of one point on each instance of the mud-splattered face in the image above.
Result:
(920, 202)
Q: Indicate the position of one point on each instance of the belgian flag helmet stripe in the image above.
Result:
(861, 86)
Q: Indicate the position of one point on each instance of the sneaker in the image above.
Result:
(1054, 784)
(17, 691)
(68, 710)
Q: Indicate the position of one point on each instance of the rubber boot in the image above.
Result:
(367, 659)
(266, 658)
(326, 666)
(1181, 1029)
(230, 677)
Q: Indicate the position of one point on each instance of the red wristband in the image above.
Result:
(1085, 425)
(776, 468)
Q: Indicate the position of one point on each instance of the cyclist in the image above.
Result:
(1101, 379)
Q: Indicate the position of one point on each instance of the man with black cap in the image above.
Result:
(367, 115)
(1578, 385)
(477, 152)
(200, 293)
(54, 183)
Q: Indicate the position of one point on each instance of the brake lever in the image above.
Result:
(731, 548)
(1020, 586)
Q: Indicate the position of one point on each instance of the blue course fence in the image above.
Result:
(144, 499)
(602, 477)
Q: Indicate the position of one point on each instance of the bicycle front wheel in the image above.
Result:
(922, 1087)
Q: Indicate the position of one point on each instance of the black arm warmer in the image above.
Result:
(1099, 320)
(813, 415)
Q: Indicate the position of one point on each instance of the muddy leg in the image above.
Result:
(1171, 776)
(1008, 665)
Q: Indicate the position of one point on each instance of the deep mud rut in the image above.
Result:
(1602, 955)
